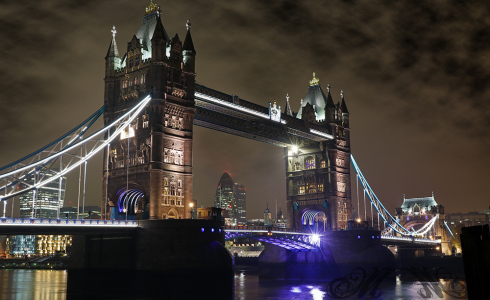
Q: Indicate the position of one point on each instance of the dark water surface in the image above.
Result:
(388, 284)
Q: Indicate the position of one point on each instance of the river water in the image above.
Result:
(391, 284)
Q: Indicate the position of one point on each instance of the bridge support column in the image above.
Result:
(158, 260)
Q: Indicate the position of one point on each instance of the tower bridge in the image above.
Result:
(151, 105)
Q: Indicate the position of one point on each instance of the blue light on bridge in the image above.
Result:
(358, 236)
(212, 229)
(202, 229)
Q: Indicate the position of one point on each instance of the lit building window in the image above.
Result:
(173, 156)
(311, 188)
(128, 132)
(322, 164)
(310, 162)
(297, 166)
(301, 190)
(145, 121)
(181, 121)
(320, 187)
(165, 181)
(167, 117)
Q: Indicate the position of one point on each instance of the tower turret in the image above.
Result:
(345, 111)
(112, 59)
(188, 50)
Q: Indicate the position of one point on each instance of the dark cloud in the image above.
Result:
(414, 73)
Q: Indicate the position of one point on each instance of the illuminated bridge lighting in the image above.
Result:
(409, 239)
(66, 222)
(233, 106)
(290, 240)
(322, 134)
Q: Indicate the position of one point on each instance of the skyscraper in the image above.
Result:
(43, 202)
(241, 203)
(232, 198)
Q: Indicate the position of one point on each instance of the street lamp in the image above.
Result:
(191, 205)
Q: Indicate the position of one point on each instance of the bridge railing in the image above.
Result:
(65, 222)
(410, 239)
(268, 229)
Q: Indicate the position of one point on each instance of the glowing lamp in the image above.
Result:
(294, 149)
(315, 238)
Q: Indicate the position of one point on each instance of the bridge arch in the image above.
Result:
(314, 218)
(171, 214)
(130, 200)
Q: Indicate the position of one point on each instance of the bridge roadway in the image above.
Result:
(27, 226)
(311, 239)
(284, 237)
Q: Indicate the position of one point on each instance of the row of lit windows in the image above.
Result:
(311, 188)
(172, 191)
(173, 122)
(140, 79)
(309, 164)
(341, 186)
(171, 200)
(173, 157)
(166, 182)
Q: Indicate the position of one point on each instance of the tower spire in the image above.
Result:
(343, 106)
(287, 110)
(113, 52)
(152, 8)
(188, 44)
(314, 81)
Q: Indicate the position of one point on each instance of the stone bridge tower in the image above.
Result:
(318, 174)
(147, 172)
(416, 212)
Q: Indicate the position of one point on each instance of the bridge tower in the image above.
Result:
(318, 173)
(416, 212)
(147, 172)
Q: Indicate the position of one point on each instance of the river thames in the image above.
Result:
(390, 284)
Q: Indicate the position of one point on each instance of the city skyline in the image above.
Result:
(416, 93)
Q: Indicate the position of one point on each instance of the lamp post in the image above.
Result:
(191, 205)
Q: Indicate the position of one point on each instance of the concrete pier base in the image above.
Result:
(162, 259)
(340, 252)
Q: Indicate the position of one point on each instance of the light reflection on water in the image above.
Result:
(248, 286)
(51, 284)
(33, 284)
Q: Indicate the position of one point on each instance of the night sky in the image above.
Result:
(415, 77)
